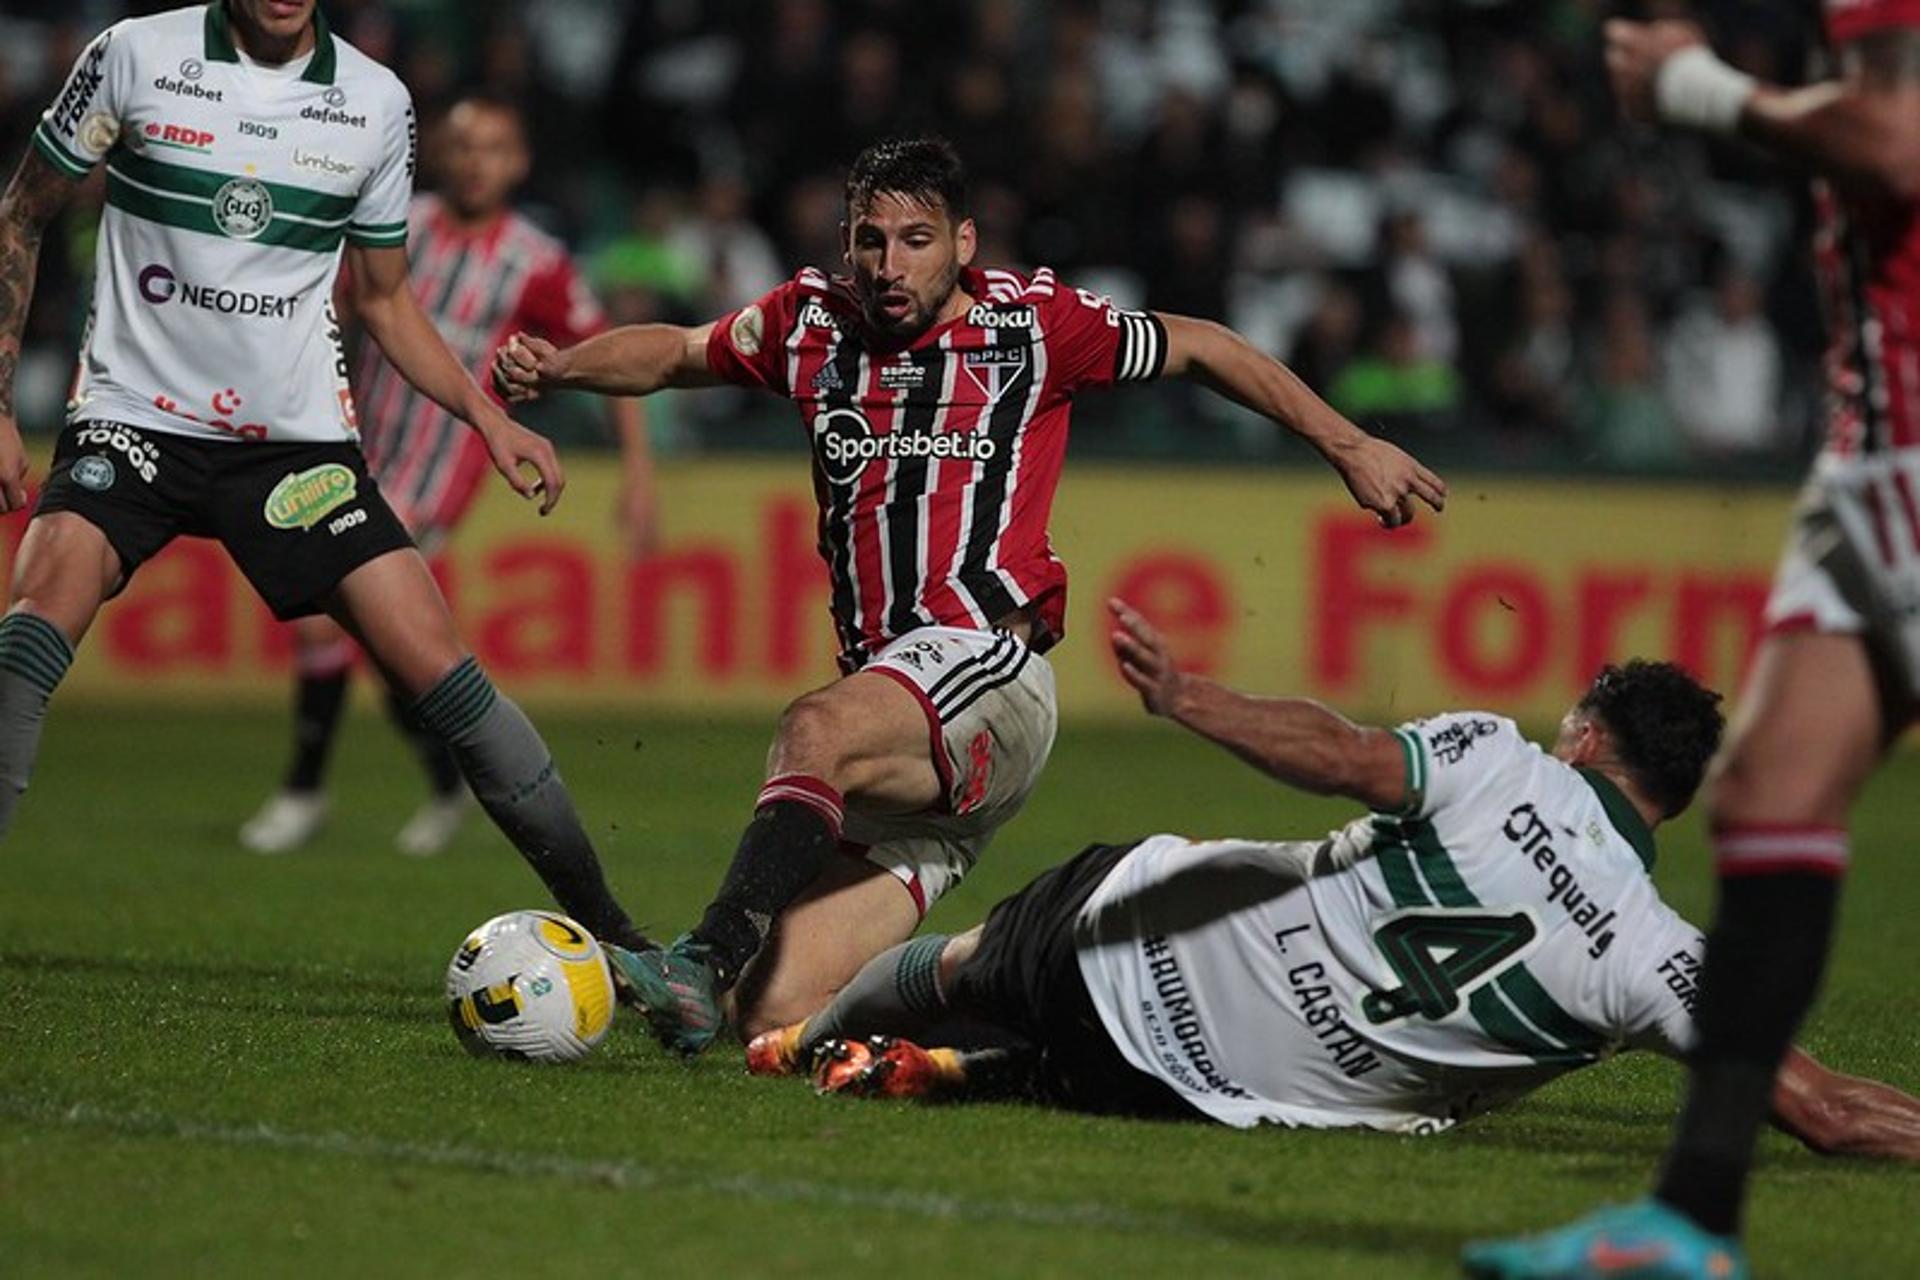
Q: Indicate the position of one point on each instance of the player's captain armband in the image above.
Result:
(1696, 90)
(1142, 353)
(1092, 343)
(82, 125)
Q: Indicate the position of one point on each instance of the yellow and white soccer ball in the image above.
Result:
(530, 984)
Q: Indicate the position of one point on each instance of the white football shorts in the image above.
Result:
(991, 714)
(1852, 563)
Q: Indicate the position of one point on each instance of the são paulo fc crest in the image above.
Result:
(302, 498)
(242, 208)
(996, 370)
(93, 472)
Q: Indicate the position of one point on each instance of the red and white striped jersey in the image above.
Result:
(1867, 256)
(477, 286)
(935, 460)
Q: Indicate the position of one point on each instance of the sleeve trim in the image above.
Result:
(377, 237)
(1416, 757)
(59, 156)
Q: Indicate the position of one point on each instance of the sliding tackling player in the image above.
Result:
(1491, 926)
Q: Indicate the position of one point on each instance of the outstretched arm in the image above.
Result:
(1859, 132)
(633, 360)
(392, 317)
(1382, 478)
(639, 509)
(1839, 1115)
(37, 193)
(1297, 740)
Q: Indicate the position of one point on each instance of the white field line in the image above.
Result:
(626, 1175)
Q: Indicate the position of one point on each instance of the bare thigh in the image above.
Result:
(1811, 728)
(851, 913)
(394, 608)
(65, 569)
(865, 736)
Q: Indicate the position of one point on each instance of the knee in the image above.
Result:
(954, 956)
(64, 570)
(811, 738)
(1741, 788)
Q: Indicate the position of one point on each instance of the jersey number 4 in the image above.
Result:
(1438, 954)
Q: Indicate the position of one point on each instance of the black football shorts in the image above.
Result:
(296, 518)
(1025, 978)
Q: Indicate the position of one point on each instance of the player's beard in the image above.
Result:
(921, 317)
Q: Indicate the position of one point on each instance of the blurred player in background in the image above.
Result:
(244, 147)
(1491, 926)
(1837, 676)
(480, 271)
(936, 397)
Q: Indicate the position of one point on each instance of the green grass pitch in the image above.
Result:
(219, 1064)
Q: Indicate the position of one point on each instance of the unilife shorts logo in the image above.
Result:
(846, 443)
(303, 498)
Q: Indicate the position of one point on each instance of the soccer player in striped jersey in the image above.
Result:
(1837, 677)
(247, 151)
(480, 271)
(1490, 926)
(935, 395)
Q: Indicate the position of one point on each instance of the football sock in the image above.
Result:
(795, 829)
(34, 656)
(513, 776)
(443, 771)
(1779, 889)
(318, 700)
(896, 993)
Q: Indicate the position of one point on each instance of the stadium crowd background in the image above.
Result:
(1427, 207)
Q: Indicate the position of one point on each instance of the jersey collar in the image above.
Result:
(220, 46)
(1620, 812)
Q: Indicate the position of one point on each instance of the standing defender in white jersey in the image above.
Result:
(1490, 926)
(244, 145)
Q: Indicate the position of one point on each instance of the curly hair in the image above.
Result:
(927, 171)
(1665, 724)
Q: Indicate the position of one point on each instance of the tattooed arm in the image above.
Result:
(38, 192)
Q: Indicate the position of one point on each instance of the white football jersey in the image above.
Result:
(1501, 931)
(230, 188)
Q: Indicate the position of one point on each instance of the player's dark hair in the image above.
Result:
(927, 171)
(1665, 724)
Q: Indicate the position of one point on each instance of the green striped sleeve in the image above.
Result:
(377, 233)
(57, 155)
(1416, 756)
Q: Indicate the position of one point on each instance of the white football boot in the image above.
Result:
(285, 822)
(434, 824)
